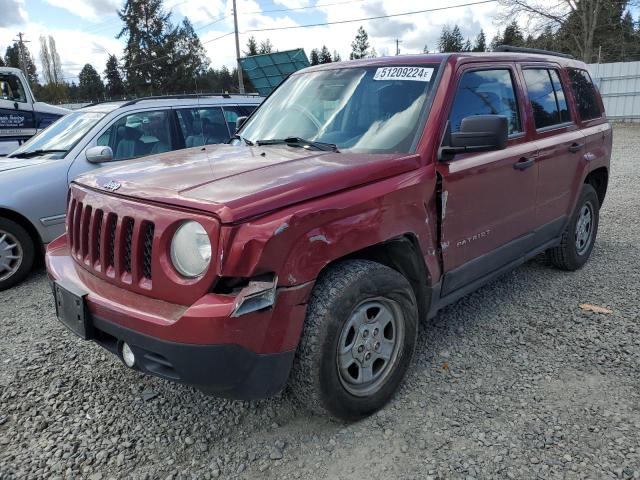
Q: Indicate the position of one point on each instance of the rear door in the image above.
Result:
(561, 146)
(488, 198)
(17, 119)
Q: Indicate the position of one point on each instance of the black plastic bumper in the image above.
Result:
(225, 370)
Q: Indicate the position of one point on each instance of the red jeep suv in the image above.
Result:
(359, 198)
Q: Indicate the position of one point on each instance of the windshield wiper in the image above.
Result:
(297, 141)
(246, 141)
(35, 153)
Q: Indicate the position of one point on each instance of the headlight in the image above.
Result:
(191, 249)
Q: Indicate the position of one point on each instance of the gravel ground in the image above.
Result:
(513, 381)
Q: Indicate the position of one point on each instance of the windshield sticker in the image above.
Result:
(417, 74)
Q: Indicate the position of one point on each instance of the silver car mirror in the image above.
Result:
(99, 154)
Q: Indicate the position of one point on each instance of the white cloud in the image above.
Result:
(88, 9)
(12, 12)
(293, 3)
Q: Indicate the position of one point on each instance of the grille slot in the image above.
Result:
(112, 240)
(99, 218)
(128, 236)
(147, 249)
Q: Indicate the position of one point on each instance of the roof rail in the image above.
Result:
(185, 95)
(509, 48)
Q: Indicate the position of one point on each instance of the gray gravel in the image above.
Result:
(514, 381)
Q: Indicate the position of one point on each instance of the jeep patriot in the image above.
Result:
(359, 198)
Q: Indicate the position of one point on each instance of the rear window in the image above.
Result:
(546, 97)
(584, 93)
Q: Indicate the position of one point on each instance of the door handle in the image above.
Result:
(576, 147)
(524, 163)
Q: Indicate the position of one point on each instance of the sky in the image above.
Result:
(85, 30)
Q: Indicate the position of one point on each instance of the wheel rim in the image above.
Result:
(369, 345)
(10, 255)
(584, 229)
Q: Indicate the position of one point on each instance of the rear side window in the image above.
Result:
(584, 93)
(202, 126)
(546, 97)
(486, 92)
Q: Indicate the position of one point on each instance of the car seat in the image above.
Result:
(128, 142)
(196, 138)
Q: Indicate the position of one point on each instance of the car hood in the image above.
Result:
(237, 182)
(13, 163)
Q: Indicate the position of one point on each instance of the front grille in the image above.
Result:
(111, 244)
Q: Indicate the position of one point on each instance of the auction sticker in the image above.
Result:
(417, 74)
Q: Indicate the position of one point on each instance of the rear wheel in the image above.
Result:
(16, 253)
(580, 234)
(357, 342)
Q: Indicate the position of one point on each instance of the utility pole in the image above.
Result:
(235, 26)
(23, 61)
(398, 42)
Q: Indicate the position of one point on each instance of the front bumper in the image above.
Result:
(202, 345)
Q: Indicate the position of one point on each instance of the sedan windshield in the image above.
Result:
(369, 110)
(56, 140)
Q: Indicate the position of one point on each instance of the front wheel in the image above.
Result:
(580, 234)
(17, 253)
(357, 341)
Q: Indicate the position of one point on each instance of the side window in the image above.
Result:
(484, 92)
(584, 93)
(11, 89)
(138, 134)
(202, 126)
(231, 114)
(546, 97)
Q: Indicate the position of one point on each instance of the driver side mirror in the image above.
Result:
(240, 121)
(478, 133)
(99, 154)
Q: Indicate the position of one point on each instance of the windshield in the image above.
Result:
(56, 140)
(369, 110)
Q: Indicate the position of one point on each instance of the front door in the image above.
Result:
(17, 120)
(488, 198)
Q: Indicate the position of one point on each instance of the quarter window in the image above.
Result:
(486, 92)
(546, 97)
(584, 93)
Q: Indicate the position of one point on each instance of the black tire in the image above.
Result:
(27, 248)
(315, 381)
(566, 255)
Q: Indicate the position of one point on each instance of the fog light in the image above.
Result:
(127, 356)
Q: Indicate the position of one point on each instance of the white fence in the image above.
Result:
(619, 85)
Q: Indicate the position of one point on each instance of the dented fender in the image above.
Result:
(296, 243)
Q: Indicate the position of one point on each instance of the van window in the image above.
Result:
(546, 97)
(11, 88)
(584, 93)
(231, 114)
(138, 134)
(485, 92)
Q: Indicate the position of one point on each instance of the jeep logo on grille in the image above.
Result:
(112, 186)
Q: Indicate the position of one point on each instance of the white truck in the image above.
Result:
(21, 116)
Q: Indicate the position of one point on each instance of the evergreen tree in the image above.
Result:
(265, 47)
(315, 57)
(252, 47)
(360, 46)
(115, 85)
(425, 49)
(150, 39)
(513, 35)
(90, 83)
(481, 42)
(467, 46)
(1, 62)
(190, 59)
(336, 56)
(325, 55)
(12, 59)
(451, 40)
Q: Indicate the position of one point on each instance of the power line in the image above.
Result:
(364, 19)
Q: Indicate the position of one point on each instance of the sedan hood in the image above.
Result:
(13, 163)
(237, 182)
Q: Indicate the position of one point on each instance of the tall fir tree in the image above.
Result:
(265, 47)
(90, 84)
(513, 35)
(325, 55)
(360, 46)
(12, 59)
(451, 40)
(115, 85)
(252, 47)
(480, 44)
(314, 58)
(336, 56)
